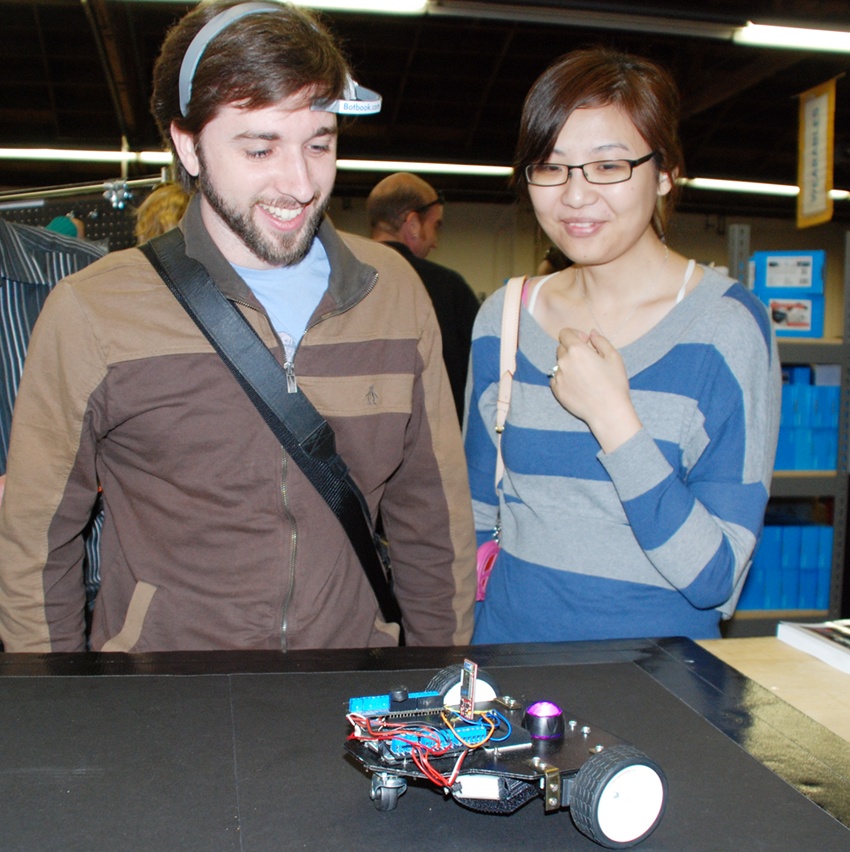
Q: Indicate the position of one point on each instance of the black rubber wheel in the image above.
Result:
(618, 797)
(448, 681)
(385, 798)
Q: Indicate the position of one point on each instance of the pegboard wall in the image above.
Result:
(104, 223)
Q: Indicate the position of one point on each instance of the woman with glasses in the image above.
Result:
(642, 428)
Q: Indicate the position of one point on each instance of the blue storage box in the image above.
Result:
(791, 284)
(810, 540)
(797, 272)
(824, 567)
(762, 586)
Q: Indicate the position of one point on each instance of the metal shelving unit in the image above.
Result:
(815, 484)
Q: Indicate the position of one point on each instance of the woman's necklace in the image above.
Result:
(633, 311)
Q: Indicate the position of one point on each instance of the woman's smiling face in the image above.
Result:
(596, 223)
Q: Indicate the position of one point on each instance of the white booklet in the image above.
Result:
(827, 640)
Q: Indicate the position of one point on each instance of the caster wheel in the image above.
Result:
(385, 799)
(386, 789)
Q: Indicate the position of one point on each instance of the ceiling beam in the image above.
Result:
(723, 86)
(115, 69)
(487, 88)
(563, 15)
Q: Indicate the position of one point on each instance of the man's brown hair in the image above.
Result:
(256, 61)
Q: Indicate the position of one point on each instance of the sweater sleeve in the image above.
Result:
(51, 485)
(698, 519)
(480, 417)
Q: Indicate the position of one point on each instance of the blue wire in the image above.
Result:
(500, 718)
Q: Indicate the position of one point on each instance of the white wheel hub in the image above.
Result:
(630, 803)
(483, 692)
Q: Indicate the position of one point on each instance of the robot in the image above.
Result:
(492, 754)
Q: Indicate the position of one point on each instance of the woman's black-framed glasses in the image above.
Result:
(599, 171)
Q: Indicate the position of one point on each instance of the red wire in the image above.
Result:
(417, 738)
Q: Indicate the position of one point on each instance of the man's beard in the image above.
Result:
(285, 250)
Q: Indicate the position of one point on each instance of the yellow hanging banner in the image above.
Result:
(816, 145)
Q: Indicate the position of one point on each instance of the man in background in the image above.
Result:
(406, 212)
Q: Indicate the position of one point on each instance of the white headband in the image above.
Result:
(356, 99)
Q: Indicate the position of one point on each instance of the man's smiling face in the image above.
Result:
(265, 176)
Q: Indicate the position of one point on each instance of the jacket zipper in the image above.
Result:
(293, 544)
(292, 387)
(291, 384)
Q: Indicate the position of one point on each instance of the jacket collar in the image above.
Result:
(200, 247)
(350, 278)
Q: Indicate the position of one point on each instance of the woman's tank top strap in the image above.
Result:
(689, 271)
(532, 294)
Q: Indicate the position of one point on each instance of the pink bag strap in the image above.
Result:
(507, 362)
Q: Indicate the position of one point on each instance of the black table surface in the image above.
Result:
(245, 751)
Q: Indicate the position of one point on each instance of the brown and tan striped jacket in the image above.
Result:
(213, 538)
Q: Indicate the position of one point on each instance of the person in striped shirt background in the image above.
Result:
(32, 260)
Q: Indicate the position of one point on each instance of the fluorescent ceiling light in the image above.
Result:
(163, 158)
(740, 186)
(384, 7)
(753, 188)
(69, 155)
(530, 12)
(796, 38)
(424, 168)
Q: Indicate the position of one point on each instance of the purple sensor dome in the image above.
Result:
(544, 721)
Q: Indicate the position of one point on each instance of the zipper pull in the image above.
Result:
(291, 385)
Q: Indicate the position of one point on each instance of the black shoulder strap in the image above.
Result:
(301, 430)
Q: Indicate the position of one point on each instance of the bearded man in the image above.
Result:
(214, 538)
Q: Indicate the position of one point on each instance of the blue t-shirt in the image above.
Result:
(290, 294)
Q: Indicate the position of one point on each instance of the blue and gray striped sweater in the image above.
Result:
(654, 539)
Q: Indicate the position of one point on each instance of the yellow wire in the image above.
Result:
(460, 739)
